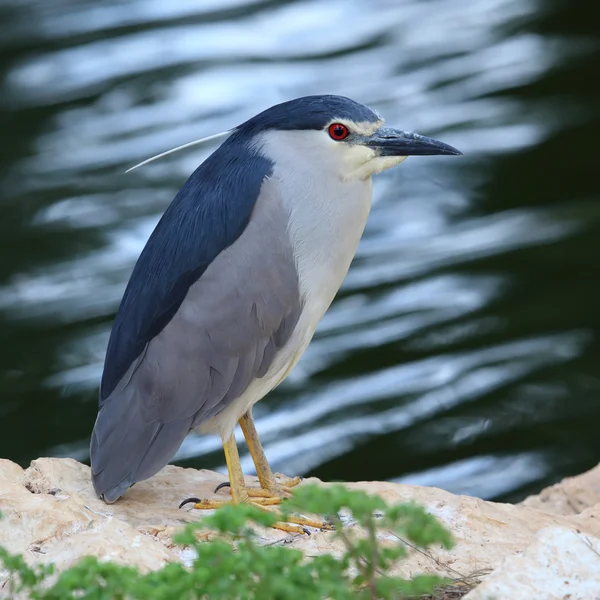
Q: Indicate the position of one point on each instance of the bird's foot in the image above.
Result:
(286, 482)
(277, 491)
(292, 523)
(299, 523)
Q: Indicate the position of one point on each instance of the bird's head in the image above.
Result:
(331, 133)
(337, 134)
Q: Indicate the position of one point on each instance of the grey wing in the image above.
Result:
(226, 333)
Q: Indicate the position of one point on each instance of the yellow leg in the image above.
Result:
(269, 487)
(239, 494)
(234, 468)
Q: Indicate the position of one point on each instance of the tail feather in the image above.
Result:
(125, 448)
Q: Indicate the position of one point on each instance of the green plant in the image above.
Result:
(234, 566)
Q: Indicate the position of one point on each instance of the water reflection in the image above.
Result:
(478, 476)
(457, 306)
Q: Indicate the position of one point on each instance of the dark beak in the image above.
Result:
(393, 142)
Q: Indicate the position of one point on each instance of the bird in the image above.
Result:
(231, 285)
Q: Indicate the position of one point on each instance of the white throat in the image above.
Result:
(328, 215)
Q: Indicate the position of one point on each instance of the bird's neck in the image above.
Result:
(327, 220)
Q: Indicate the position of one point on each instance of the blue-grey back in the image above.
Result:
(207, 215)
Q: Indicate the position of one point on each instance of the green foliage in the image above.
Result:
(233, 566)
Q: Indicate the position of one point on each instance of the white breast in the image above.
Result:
(328, 215)
(328, 212)
(325, 228)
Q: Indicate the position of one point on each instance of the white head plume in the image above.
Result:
(194, 143)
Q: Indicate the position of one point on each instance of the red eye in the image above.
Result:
(338, 132)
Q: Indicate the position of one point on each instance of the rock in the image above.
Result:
(571, 496)
(560, 564)
(51, 514)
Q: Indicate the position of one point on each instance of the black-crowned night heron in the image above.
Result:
(232, 283)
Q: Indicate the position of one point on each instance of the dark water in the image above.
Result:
(463, 350)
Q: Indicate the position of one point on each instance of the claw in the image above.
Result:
(188, 500)
(287, 482)
(222, 485)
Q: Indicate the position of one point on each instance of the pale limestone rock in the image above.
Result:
(51, 514)
(560, 564)
(572, 496)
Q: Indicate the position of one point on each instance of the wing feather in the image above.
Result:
(208, 214)
(226, 332)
